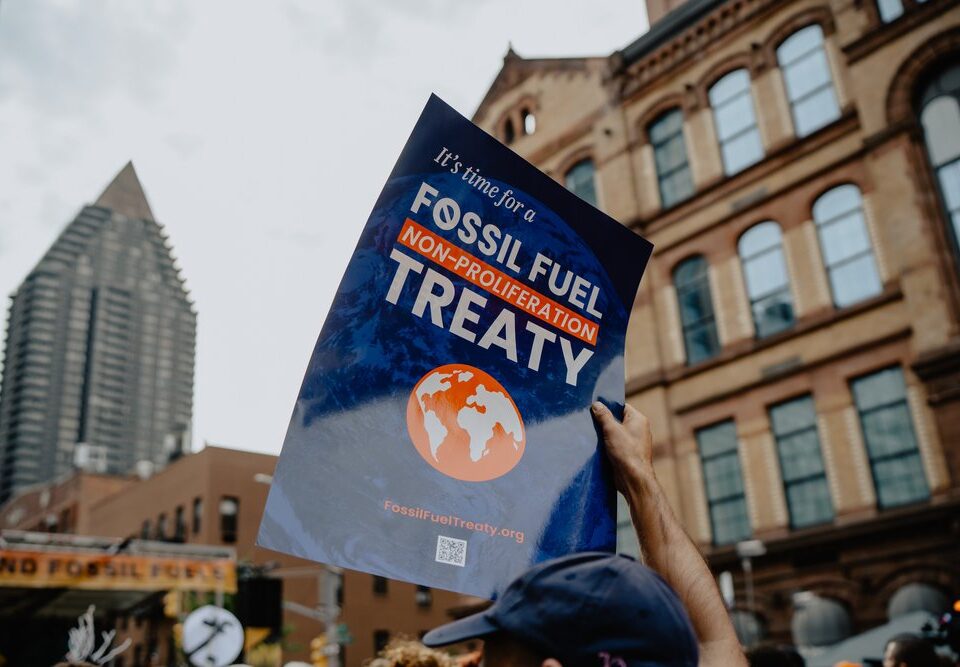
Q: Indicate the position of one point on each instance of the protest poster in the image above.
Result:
(442, 434)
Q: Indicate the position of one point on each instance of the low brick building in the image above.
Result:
(62, 506)
(216, 497)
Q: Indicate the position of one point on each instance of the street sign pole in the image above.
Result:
(331, 610)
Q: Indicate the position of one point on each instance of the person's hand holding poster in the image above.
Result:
(442, 434)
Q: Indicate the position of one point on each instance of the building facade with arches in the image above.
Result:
(796, 338)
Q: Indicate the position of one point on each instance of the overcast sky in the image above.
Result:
(262, 133)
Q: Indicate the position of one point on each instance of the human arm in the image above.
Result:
(665, 546)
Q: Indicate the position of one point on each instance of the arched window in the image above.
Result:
(736, 122)
(806, 74)
(529, 122)
(765, 273)
(580, 181)
(699, 325)
(749, 627)
(820, 621)
(670, 157)
(509, 134)
(940, 117)
(917, 596)
(845, 245)
(891, 10)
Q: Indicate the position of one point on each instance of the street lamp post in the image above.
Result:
(329, 610)
(330, 603)
(748, 550)
(725, 581)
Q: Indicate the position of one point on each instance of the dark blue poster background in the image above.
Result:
(442, 434)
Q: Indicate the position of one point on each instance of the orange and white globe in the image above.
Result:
(465, 424)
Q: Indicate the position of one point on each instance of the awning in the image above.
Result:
(55, 575)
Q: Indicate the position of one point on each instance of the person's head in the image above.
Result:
(908, 650)
(773, 655)
(404, 652)
(584, 610)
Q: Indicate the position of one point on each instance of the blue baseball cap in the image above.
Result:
(587, 610)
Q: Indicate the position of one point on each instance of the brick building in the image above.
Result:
(796, 338)
(62, 506)
(216, 497)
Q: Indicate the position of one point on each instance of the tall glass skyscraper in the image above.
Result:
(99, 354)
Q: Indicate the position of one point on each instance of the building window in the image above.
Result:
(736, 122)
(940, 117)
(509, 134)
(580, 180)
(627, 542)
(162, 527)
(145, 530)
(179, 525)
(898, 475)
(889, 10)
(529, 122)
(424, 596)
(380, 640)
(845, 244)
(765, 274)
(197, 514)
(806, 74)
(380, 585)
(724, 483)
(229, 508)
(801, 465)
(819, 621)
(696, 310)
(670, 157)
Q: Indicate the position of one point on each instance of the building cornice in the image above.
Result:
(884, 33)
(745, 349)
(939, 369)
(854, 529)
(724, 187)
(636, 76)
(563, 142)
(516, 70)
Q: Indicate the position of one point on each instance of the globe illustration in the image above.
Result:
(464, 423)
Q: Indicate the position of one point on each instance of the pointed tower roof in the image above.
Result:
(516, 69)
(125, 195)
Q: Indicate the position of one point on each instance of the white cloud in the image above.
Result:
(67, 55)
(262, 131)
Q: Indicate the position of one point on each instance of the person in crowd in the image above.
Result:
(774, 655)
(602, 610)
(406, 652)
(909, 650)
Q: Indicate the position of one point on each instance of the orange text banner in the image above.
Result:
(43, 569)
(491, 280)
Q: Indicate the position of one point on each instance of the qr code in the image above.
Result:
(451, 551)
